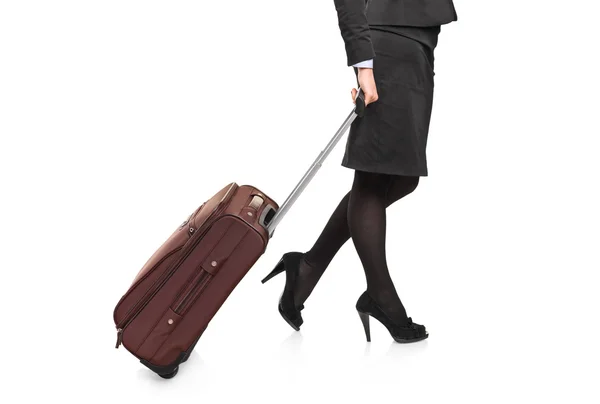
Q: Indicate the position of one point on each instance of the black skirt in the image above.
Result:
(391, 138)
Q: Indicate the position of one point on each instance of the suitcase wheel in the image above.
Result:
(170, 375)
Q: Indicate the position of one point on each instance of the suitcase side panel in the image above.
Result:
(139, 328)
(198, 317)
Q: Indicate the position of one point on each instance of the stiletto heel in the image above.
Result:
(290, 264)
(364, 317)
(279, 268)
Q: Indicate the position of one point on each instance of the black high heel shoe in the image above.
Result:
(290, 263)
(410, 332)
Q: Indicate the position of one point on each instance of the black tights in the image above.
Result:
(361, 214)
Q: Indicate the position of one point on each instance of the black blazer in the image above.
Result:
(354, 18)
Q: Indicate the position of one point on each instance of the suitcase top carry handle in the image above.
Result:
(357, 111)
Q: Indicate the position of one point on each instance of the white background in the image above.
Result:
(118, 118)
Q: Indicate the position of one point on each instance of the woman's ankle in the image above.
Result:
(308, 276)
(390, 304)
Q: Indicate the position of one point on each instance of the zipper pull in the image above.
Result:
(119, 337)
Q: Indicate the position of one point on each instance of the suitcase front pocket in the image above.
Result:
(191, 292)
(209, 266)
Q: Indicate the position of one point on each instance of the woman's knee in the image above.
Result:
(400, 186)
(412, 184)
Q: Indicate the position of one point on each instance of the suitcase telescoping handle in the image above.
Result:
(357, 111)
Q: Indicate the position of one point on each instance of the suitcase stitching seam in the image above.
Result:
(193, 276)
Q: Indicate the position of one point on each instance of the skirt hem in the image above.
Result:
(403, 173)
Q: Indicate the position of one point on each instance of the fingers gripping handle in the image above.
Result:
(357, 111)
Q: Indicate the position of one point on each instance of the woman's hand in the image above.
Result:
(366, 81)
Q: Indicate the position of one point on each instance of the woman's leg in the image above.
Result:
(337, 231)
(367, 224)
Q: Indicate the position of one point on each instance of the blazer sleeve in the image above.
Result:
(354, 29)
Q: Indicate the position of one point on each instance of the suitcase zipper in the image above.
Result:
(119, 337)
(163, 279)
(188, 298)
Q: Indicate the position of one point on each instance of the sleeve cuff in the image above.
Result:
(359, 51)
(366, 63)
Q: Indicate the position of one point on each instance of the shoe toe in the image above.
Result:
(419, 330)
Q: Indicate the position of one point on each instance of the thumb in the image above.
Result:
(354, 92)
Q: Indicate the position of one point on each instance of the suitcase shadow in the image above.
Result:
(192, 365)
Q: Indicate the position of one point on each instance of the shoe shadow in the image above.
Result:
(399, 351)
(292, 343)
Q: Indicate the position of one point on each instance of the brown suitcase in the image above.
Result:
(181, 287)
